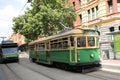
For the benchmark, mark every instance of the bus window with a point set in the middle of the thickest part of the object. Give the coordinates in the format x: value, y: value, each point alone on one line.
x: 10, y: 50
x: 81, y: 42
x: 91, y: 41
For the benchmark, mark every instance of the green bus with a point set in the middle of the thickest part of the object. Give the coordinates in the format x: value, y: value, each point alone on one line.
x: 77, y: 48
x: 8, y: 51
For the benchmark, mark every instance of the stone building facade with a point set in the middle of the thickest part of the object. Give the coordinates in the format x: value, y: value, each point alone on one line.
x: 101, y: 13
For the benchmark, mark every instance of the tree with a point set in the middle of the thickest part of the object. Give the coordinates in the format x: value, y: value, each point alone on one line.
x: 43, y: 18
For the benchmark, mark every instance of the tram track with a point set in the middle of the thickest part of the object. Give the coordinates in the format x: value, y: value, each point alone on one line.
x: 44, y: 71
x: 101, y: 75
x: 37, y: 72
x: 26, y: 67
x: 15, y: 75
x: 95, y: 74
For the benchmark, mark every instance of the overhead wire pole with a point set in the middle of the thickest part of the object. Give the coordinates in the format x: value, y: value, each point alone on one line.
x: 3, y: 38
x: 60, y: 22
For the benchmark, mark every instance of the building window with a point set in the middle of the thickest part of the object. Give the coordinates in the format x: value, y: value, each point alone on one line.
x: 80, y: 2
x: 119, y: 27
x: 80, y: 18
x: 74, y: 5
x: 96, y: 11
x: 89, y: 16
x: 118, y: 5
x: 111, y: 29
x: 93, y: 13
x: 111, y: 38
x: 110, y: 5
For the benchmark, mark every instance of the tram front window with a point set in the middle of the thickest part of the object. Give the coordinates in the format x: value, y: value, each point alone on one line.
x: 81, y: 42
x: 91, y: 41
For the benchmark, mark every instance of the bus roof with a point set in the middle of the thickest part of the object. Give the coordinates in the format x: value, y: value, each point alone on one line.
x: 9, y: 45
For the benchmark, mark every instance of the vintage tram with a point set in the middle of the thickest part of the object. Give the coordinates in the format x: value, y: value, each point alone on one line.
x: 77, y: 48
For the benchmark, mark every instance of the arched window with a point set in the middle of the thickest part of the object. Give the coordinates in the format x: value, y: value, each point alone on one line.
x: 110, y: 6
x: 118, y: 5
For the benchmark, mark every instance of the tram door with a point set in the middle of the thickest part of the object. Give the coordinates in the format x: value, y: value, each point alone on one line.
x: 36, y: 52
x: 72, y: 49
x: 48, y: 52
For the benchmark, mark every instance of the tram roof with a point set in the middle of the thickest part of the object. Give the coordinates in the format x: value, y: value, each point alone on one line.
x: 71, y: 32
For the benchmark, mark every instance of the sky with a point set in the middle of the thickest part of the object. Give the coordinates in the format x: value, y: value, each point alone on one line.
x: 8, y: 10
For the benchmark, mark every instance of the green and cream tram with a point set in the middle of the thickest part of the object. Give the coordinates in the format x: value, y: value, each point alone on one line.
x: 75, y: 48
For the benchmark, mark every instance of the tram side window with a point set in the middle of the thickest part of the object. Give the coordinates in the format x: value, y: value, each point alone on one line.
x: 72, y: 40
x: 47, y: 47
x: 31, y: 48
x: 41, y: 46
x: 81, y: 42
x: 91, y: 41
x: 65, y: 43
x: 60, y: 45
x: 54, y: 44
x: 51, y: 45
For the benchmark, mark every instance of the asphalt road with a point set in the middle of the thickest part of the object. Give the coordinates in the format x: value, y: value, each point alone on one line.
x: 26, y: 70
x: 2, y: 74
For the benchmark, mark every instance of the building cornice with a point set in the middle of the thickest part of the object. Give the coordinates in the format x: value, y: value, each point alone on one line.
x: 101, y: 20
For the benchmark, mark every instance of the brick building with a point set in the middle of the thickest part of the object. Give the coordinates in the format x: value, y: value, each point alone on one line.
x: 101, y: 13
x: 18, y: 38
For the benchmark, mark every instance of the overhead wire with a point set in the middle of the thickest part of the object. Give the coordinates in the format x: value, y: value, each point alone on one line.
x: 22, y: 8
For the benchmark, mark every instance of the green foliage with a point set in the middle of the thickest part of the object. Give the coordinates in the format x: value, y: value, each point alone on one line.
x: 43, y: 18
x: 27, y: 40
x: 117, y: 43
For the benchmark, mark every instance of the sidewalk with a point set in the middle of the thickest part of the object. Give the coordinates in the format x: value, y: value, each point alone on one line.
x: 111, y: 65
x: 23, y: 55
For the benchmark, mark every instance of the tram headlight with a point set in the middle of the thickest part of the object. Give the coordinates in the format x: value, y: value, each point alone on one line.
x: 79, y: 59
x: 92, y: 55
